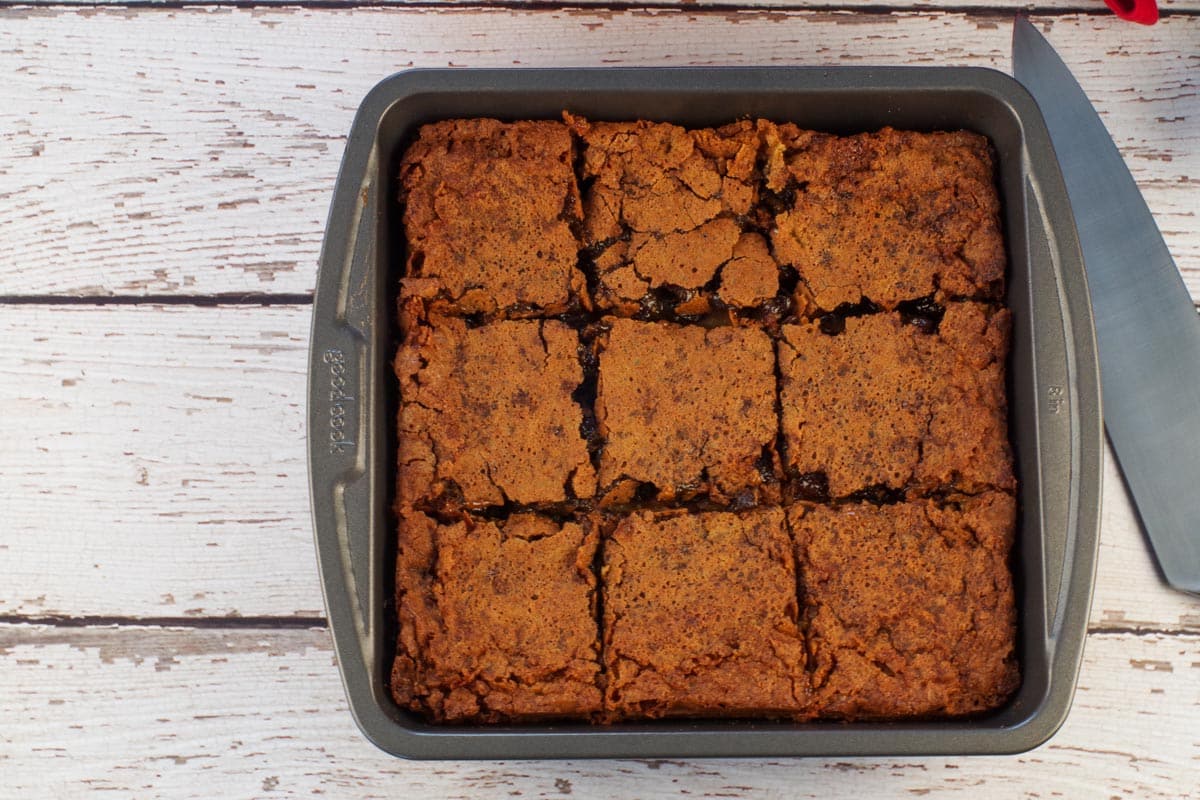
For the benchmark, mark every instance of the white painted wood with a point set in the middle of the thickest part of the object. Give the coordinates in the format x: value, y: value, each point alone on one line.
x: 219, y: 713
x: 1129, y: 593
x: 152, y: 457
x: 983, y: 6
x: 194, y: 150
x: 152, y: 461
x: 152, y: 464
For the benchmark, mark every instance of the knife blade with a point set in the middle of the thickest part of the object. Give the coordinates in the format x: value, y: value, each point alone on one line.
x: 1147, y: 329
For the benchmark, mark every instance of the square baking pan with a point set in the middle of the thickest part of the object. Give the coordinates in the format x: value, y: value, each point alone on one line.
x: 1053, y: 391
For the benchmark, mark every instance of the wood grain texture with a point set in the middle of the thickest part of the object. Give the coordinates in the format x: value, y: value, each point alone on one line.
x: 152, y: 461
x: 1166, y: 7
x: 158, y: 454
x: 187, y: 713
x: 194, y: 151
x: 1130, y: 593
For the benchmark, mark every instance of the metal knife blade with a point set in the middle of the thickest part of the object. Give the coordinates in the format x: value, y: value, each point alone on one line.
x: 1147, y: 329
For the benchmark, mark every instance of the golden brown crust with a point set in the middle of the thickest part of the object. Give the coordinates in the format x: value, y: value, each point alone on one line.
x: 488, y: 209
x: 885, y: 404
x: 687, y: 409
x: 751, y: 276
x: 667, y: 207
x: 888, y: 216
x: 700, y: 616
x: 497, y: 619
x: 540, y: 426
x: 487, y: 415
x: 909, y: 608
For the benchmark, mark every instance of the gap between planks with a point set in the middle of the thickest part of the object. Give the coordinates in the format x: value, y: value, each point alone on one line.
x: 206, y: 623
x: 863, y: 7
x: 205, y: 301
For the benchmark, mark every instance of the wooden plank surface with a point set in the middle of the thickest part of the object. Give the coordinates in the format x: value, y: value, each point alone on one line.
x: 158, y: 454
x: 193, y: 151
x: 160, y: 450
x: 219, y: 713
x: 152, y: 469
x: 1097, y: 7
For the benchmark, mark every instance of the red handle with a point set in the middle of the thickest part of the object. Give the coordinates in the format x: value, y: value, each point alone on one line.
x: 1144, y: 12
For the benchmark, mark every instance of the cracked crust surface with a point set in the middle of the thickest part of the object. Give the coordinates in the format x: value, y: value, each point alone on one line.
x: 866, y: 612
x: 883, y: 404
x: 700, y: 616
x: 687, y: 409
x: 488, y: 209
x: 909, y: 607
x: 487, y: 415
x: 889, y: 216
x: 667, y: 207
x: 497, y: 619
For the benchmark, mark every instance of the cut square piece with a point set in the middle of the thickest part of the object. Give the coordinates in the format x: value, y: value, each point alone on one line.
x: 909, y: 607
x: 888, y: 216
x: 488, y: 210
x: 886, y: 404
x: 497, y: 619
x: 487, y: 415
x: 666, y: 216
x: 688, y: 409
x: 700, y: 616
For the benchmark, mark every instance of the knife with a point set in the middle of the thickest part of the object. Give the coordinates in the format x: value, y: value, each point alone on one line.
x: 1147, y: 329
